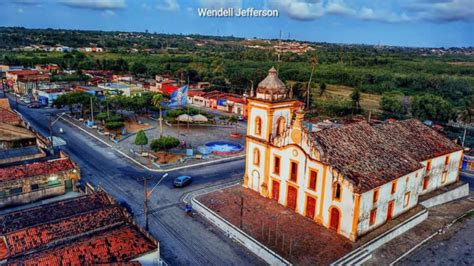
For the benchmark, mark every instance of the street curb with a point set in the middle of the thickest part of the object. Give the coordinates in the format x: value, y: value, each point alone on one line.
x: 146, y: 167
x: 429, y: 237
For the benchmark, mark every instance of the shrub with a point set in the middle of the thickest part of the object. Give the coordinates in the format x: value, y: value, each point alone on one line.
x: 164, y: 143
x: 114, y: 125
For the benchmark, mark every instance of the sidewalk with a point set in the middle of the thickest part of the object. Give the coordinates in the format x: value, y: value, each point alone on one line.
x: 439, y: 217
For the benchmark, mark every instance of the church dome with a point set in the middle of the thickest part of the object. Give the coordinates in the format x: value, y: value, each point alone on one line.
x: 271, y: 85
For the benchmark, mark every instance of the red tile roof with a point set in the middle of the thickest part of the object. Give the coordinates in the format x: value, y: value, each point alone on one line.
x: 87, y: 230
x: 9, y: 117
x: 35, y: 169
x: 115, y: 246
x: 363, y: 155
x: 236, y: 100
x: 417, y: 140
x: 18, y: 220
x: 23, y: 241
x: 195, y: 93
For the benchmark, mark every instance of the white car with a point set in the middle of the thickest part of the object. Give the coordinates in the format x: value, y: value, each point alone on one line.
x: 27, y: 101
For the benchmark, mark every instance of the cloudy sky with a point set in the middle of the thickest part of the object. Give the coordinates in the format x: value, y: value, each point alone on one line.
x: 432, y: 23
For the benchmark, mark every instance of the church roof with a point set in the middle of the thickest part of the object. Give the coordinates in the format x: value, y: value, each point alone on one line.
x: 271, y: 84
x: 360, y: 153
x: 417, y: 140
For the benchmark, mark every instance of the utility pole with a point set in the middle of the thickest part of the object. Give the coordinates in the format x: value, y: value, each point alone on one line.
x: 242, y: 207
x: 51, y: 133
x: 145, y: 204
x: 147, y: 195
x: 92, y: 111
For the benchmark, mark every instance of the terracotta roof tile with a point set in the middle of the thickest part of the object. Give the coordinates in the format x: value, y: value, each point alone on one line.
x: 9, y: 117
x: 35, y: 169
x: 31, y: 238
x: 364, y: 155
x: 115, y: 246
x: 417, y: 140
x: 14, y: 221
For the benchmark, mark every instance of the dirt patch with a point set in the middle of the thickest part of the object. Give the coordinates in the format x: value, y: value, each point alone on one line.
x: 133, y: 126
x: 296, y: 238
x: 368, y: 101
x: 163, y: 157
x: 462, y: 63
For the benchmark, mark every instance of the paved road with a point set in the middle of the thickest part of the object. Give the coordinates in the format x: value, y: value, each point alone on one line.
x: 183, y: 240
x: 456, y: 247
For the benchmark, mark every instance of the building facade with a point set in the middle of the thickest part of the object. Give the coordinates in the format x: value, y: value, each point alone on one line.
x: 30, y: 182
x: 351, y: 178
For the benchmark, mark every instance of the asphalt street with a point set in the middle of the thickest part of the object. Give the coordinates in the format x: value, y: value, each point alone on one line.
x: 183, y: 240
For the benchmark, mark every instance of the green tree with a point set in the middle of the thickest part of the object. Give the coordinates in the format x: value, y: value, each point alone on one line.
x: 139, y: 69
x: 355, y: 98
x: 322, y: 89
x: 114, y: 125
x: 392, y: 106
x: 164, y: 143
x: 156, y: 101
x: 141, y: 139
x: 432, y: 107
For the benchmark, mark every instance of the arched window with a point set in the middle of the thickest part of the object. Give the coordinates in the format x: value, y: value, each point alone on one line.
x: 281, y: 125
x: 258, y: 125
x: 336, y: 191
x: 256, y: 157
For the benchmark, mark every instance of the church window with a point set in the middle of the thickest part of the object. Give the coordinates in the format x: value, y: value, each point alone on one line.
x: 256, y: 157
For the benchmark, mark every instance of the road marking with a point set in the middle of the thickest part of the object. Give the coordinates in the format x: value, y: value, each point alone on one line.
x: 146, y: 167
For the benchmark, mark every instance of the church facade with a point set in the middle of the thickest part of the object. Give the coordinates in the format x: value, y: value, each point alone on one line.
x: 351, y: 178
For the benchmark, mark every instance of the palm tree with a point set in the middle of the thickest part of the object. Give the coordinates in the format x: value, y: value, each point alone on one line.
x: 314, y: 62
x: 290, y: 84
x: 465, y: 116
x: 156, y: 101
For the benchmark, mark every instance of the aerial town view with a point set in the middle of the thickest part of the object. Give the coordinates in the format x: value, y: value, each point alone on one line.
x: 236, y: 132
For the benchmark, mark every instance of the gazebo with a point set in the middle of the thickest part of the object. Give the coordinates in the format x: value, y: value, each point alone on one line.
x: 199, y: 119
x: 184, y: 118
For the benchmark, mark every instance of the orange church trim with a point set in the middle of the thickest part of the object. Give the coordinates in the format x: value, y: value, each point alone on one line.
x: 355, y: 219
x: 322, y: 194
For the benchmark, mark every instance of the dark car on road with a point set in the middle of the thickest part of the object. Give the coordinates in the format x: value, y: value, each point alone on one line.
x: 34, y: 105
x: 182, y: 181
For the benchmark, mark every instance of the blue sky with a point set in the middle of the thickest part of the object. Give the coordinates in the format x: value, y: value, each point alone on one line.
x: 428, y: 23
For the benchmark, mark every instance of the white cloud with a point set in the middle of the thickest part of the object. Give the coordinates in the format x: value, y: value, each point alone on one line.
x: 168, y: 5
x: 441, y: 10
x: 19, y: 10
x: 95, y: 4
x: 438, y: 11
x: 339, y: 7
x: 299, y: 9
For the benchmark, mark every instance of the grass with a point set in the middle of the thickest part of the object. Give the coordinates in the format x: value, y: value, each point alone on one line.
x: 370, y: 102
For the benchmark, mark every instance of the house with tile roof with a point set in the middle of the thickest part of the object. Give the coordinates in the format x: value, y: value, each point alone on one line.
x: 350, y: 178
x: 86, y: 230
x: 25, y: 183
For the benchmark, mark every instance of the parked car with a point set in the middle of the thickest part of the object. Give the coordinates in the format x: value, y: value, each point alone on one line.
x: 34, y: 105
x: 182, y: 181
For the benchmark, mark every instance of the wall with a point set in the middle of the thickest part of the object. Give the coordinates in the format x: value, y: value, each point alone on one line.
x: 437, y: 169
x: 244, y: 239
x: 25, y: 198
x: 408, y: 183
x: 454, y: 194
x: 28, y: 195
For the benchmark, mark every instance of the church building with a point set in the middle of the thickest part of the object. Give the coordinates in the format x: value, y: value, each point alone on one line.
x: 351, y: 178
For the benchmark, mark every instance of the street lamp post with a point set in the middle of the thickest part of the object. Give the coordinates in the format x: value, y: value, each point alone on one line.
x: 147, y: 195
x: 51, y: 123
